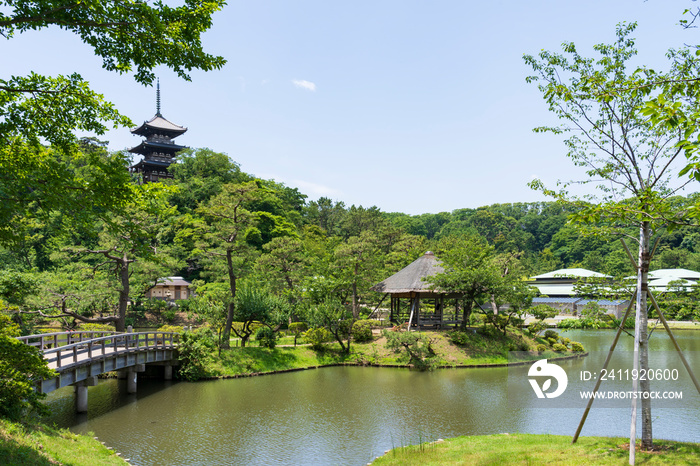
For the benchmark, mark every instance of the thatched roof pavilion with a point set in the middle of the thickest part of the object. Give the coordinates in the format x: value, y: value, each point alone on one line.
x: 412, y: 278
x: 413, y: 300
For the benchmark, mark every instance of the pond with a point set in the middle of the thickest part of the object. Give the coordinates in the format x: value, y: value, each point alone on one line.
x: 351, y: 415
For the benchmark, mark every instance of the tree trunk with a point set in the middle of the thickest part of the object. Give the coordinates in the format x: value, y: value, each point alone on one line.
x: 355, y: 304
x: 120, y: 324
x: 641, y: 348
x: 226, y: 343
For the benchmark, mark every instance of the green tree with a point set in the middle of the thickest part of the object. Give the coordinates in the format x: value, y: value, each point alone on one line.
x: 21, y: 367
x: 230, y: 225
x: 628, y: 158
x: 467, y: 260
x: 255, y: 306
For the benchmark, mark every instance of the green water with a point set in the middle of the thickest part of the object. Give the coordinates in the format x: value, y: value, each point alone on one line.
x: 349, y: 415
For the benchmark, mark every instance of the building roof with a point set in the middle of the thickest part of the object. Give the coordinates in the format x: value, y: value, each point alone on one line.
x: 146, y: 147
x: 674, y: 274
x: 412, y: 277
x: 173, y: 281
x: 564, y: 289
x: 158, y: 124
x: 567, y: 273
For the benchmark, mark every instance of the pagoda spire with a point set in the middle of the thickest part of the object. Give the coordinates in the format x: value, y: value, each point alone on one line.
x: 158, y: 98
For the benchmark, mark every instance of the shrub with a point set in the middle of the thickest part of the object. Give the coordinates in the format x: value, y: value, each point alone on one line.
x: 297, y: 328
x: 552, y: 341
x: 97, y: 327
x: 558, y: 347
x: 577, y: 347
x: 317, y: 337
x: 194, y: 352
x: 416, y: 348
x: 171, y: 328
x: 375, y: 323
x: 458, y: 338
x: 169, y: 314
x: 266, y: 337
x: 541, y: 348
x: 570, y: 324
x: 565, y: 341
x: 548, y: 334
x: 362, y: 331
x: 536, y: 327
x: 21, y: 366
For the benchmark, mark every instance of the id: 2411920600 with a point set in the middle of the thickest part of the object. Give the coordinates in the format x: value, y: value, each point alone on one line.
x: 632, y: 374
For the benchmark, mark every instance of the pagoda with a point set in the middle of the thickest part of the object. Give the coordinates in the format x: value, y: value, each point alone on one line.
x: 158, y: 149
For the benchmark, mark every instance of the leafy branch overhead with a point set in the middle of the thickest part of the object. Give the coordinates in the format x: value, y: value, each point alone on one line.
x: 631, y: 161
x: 44, y: 167
x: 127, y: 35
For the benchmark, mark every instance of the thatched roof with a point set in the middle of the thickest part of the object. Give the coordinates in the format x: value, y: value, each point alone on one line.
x: 411, y: 278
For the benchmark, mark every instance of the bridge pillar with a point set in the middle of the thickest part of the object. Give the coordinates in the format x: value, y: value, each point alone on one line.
x: 168, y: 372
x: 81, y: 394
x: 81, y: 397
x: 131, y: 378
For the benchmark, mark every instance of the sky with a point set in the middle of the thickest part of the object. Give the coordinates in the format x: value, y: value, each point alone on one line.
x: 411, y: 106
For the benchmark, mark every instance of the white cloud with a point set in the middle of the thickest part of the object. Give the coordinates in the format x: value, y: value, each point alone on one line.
x: 308, y: 85
x: 314, y: 190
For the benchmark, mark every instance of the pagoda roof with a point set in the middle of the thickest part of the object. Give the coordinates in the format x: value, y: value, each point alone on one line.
x: 151, y: 163
x: 412, y: 277
x: 146, y: 147
x: 158, y: 124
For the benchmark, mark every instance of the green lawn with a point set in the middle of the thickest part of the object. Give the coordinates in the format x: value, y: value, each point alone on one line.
x: 529, y: 449
x: 37, y: 444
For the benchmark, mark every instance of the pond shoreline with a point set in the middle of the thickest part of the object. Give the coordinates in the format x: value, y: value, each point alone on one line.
x: 391, y: 366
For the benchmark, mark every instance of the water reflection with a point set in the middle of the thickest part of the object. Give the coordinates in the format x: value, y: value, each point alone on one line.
x: 342, y: 415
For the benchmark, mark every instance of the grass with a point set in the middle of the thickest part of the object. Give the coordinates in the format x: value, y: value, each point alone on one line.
x: 675, y: 325
x: 530, y: 449
x: 477, y: 349
x: 37, y: 444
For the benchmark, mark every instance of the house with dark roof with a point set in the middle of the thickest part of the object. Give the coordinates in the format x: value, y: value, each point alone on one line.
x: 170, y: 289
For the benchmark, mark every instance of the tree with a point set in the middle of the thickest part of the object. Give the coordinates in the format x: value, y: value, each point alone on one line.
x: 21, y: 366
x: 356, y: 263
x: 630, y: 160
x: 122, y: 241
x: 283, y: 265
x: 333, y: 316
x: 254, y: 306
x: 467, y: 273
x: 230, y: 223
x: 37, y: 110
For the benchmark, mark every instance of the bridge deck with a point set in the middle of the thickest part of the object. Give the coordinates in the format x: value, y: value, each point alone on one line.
x: 76, y: 356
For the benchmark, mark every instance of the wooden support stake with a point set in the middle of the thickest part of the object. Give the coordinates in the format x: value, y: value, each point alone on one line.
x: 605, y: 366
x: 675, y: 343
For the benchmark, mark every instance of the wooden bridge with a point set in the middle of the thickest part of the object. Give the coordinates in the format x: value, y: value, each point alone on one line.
x: 79, y: 357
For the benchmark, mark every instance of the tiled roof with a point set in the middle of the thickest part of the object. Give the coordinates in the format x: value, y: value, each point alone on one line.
x: 158, y: 122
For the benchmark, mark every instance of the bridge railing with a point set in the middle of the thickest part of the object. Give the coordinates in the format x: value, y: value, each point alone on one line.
x: 45, y: 341
x: 61, y: 351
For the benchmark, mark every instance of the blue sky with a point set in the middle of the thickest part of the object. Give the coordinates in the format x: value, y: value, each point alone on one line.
x: 412, y: 106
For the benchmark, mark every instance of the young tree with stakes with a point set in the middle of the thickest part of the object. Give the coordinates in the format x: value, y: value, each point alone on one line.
x: 632, y: 163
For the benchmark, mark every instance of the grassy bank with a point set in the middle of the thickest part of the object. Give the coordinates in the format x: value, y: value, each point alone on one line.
x: 475, y: 349
x: 37, y: 444
x: 529, y: 449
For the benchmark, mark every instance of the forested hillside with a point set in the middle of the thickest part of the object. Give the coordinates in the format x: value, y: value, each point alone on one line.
x: 230, y: 233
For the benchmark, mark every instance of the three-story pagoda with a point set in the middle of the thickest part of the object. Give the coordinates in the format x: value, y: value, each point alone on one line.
x: 158, y: 149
